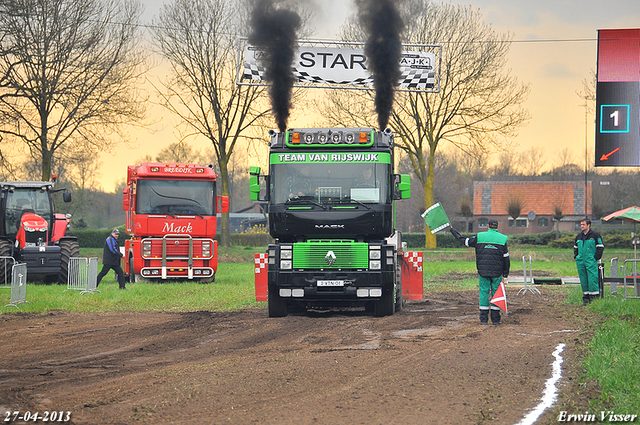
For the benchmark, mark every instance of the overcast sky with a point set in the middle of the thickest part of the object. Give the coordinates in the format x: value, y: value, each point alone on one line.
x: 555, y: 65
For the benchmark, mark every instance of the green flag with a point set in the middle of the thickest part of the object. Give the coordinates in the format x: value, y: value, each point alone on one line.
x: 436, y: 218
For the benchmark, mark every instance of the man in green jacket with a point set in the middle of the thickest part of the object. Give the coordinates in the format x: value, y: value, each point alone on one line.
x: 493, y: 263
x: 587, y: 250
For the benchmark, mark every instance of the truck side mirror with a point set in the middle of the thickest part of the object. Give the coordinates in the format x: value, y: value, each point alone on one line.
x: 66, y: 196
x: 223, y: 204
x: 403, y: 186
x: 125, y: 199
x: 254, y: 183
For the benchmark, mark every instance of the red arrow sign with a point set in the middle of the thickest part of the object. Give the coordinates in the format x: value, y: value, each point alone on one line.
x: 604, y: 157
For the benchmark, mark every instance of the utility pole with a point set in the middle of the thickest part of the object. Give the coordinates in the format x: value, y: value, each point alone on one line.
x: 586, y: 132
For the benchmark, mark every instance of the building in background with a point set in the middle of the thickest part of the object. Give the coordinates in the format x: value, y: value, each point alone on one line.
x: 539, y: 204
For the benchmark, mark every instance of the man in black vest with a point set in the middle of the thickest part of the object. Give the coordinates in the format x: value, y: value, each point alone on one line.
x: 493, y: 263
x: 111, y: 256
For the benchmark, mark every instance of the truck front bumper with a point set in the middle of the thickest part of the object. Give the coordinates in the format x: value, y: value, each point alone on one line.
x: 331, y: 286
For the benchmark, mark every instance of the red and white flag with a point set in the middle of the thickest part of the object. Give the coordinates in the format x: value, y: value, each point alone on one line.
x: 500, y: 298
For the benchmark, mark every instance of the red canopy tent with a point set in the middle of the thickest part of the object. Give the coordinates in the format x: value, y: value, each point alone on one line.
x: 631, y: 214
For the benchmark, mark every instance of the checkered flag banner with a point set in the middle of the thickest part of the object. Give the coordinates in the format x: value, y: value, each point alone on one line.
x: 317, y: 65
x: 435, y: 218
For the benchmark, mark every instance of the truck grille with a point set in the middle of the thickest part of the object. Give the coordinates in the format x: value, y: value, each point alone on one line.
x: 178, y: 248
x: 348, y: 254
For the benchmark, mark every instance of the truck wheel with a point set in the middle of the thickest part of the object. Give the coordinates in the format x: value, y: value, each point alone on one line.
x: 385, y: 305
x: 209, y: 279
x: 277, y: 306
x: 68, y: 249
x: 399, y: 299
x: 5, y: 264
x: 131, y: 277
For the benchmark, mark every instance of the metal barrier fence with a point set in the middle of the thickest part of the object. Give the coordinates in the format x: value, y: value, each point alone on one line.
x: 18, y: 285
x: 526, y: 288
x: 83, y: 274
x: 613, y: 282
x: 633, y: 277
x: 6, y: 263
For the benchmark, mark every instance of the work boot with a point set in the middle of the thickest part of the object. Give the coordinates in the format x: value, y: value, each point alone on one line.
x: 585, y: 299
x: 484, y: 317
x: 495, y: 317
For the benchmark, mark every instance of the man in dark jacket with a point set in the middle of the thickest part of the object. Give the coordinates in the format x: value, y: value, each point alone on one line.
x: 587, y: 250
x: 111, y: 256
x: 493, y: 263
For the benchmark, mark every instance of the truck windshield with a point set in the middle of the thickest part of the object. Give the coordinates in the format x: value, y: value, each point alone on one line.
x: 330, y: 183
x: 22, y: 200
x: 175, y: 197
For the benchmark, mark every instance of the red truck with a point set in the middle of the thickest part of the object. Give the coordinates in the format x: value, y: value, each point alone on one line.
x: 171, y: 220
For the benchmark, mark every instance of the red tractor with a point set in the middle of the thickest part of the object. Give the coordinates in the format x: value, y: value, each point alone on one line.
x: 32, y: 233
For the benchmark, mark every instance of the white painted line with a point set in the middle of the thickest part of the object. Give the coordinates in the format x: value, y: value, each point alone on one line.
x: 550, y: 390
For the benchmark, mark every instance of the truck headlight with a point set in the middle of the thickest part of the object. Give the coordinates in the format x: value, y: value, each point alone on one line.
x: 206, y: 249
x: 286, y: 254
x: 375, y: 254
x: 146, y: 248
x: 285, y: 264
x: 375, y: 265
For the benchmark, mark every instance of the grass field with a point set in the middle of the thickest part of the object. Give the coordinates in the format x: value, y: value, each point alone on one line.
x: 612, y: 358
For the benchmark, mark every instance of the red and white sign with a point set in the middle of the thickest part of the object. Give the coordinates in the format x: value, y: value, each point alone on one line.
x: 261, y: 281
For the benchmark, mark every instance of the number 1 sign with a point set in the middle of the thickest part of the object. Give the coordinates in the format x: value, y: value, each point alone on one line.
x: 618, y: 98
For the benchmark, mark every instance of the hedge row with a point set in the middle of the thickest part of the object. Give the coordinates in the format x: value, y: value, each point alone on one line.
x: 446, y: 240
x: 95, y: 239
x: 610, y: 240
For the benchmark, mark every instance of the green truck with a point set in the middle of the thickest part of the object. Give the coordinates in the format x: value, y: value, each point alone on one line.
x: 330, y: 194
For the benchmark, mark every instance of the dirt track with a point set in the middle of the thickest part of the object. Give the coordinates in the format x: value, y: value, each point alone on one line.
x: 433, y: 363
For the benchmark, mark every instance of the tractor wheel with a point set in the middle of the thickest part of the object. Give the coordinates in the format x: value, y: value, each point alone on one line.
x: 68, y: 249
x: 5, y: 263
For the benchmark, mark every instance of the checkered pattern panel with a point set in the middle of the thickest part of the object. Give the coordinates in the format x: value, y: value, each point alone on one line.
x: 253, y: 71
x: 414, y: 258
x: 260, y: 262
x: 416, y: 78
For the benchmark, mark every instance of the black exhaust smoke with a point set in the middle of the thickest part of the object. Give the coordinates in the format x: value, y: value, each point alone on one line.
x: 274, y: 31
x: 383, y: 24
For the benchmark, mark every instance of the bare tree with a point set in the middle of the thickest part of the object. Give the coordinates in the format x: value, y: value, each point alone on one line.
x: 532, y: 161
x: 508, y: 164
x: 466, y: 209
x: 198, y: 37
x: 473, y: 160
x: 564, y: 159
x: 513, y: 206
x: 80, y: 174
x: 479, y: 103
x: 68, y: 74
x: 182, y: 153
x: 558, y: 213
